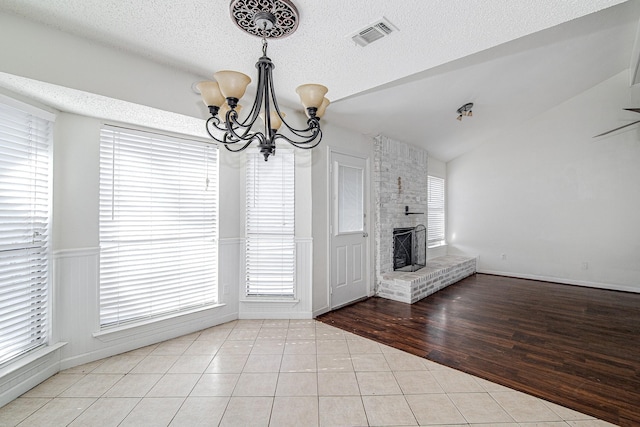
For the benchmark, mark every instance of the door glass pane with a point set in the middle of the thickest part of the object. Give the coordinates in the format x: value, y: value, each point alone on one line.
x: 350, y: 200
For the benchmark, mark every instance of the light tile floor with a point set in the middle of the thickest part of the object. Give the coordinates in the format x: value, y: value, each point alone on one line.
x: 277, y: 373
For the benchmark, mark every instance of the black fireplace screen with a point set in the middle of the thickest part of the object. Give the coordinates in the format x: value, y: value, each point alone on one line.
x: 409, y: 248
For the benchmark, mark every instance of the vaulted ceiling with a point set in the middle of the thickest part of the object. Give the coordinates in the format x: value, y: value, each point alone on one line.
x: 512, y: 59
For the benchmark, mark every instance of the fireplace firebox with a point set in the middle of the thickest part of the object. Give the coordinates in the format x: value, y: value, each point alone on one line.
x: 409, y: 248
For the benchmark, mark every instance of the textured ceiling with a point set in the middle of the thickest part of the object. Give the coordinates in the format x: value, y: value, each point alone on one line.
x: 445, y: 53
x: 508, y: 84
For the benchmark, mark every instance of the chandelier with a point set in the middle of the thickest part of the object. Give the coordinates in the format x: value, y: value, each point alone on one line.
x: 265, y: 19
x: 465, y: 110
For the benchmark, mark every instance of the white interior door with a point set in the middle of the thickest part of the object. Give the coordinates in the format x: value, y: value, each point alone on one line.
x: 349, y: 231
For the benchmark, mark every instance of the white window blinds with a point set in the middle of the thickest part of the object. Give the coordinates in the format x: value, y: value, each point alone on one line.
x: 270, y: 242
x: 350, y: 199
x: 158, y: 225
x: 25, y: 142
x: 436, y: 214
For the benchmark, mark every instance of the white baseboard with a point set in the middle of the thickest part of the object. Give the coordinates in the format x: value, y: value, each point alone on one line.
x: 189, y: 320
x: 321, y: 311
x: 564, y: 281
x: 144, y: 340
x: 26, y: 373
x: 276, y: 316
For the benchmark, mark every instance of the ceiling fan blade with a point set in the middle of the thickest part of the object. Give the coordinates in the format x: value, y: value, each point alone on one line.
x: 635, y: 110
x: 621, y: 127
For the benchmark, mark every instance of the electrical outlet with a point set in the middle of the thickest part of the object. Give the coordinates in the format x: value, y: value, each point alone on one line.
x: 503, y: 257
x: 225, y: 290
x: 585, y: 265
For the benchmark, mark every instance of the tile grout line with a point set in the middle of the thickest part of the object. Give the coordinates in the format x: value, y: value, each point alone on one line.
x: 302, y: 336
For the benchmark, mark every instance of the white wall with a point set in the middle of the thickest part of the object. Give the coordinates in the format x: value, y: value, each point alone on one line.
x: 76, y: 183
x: 436, y: 167
x: 559, y: 204
x: 42, y: 53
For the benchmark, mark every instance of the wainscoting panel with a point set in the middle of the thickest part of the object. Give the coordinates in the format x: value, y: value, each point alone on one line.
x: 76, y: 298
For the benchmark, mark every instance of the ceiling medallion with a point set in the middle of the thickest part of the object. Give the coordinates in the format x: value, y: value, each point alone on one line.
x: 271, y: 19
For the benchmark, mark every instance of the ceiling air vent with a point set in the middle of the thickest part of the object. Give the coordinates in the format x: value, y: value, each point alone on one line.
x: 373, y: 32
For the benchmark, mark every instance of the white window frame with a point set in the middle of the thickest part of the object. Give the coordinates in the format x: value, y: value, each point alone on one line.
x: 158, y: 226
x: 436, y: 212
x: 26, y: 141
x: 270, y: 268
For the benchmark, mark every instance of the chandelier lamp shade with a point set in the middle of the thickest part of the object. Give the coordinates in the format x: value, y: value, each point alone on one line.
x: 263, y: 122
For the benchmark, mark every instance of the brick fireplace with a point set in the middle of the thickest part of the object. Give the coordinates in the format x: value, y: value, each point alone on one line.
x: 400, y: 180
x: 400, y: 191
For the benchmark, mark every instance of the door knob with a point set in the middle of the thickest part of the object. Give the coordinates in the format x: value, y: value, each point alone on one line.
x: 365, y: 234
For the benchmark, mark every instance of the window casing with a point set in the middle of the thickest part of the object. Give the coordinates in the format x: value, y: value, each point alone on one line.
x: 270, y: 232
x: 25, y: 146
x: 436, y: 212
x: 158, y: 225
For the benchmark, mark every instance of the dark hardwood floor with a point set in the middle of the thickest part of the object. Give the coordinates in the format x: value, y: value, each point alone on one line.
x: 574, y: 346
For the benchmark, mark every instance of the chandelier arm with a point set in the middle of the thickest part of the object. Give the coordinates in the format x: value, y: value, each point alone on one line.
x: 232, y: 124
x: 308, y: 133
x: 302, y: 133
x: 298, y: 132
x: 267, y: 108
x: 231, y: 134
x: 253, y: 114
x: 231, y: 139
x: 254, y: 138
x: 235, y: 137
x: 224, y: 126
x: 262, y: 65
x: 214, y: 121
x: 219, y: 126
x: 314, y: 127
x: 302, y: 144
x: 235, y: 150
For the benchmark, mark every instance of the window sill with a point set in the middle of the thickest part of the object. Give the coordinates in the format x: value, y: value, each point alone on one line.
x: 438, y: 245
x: 154, y: 324
x: 274, y: 300
x: 34, y: 356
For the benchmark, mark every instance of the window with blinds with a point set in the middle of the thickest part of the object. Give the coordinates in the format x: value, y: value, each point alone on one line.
x: 436, y: 214
x: 158, y: 225
x: 270, y: 234
x: 25, y: 144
